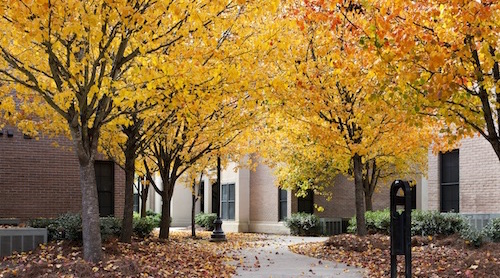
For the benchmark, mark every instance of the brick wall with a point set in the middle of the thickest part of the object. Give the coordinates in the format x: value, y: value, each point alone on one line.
x: 479, y: 178
x: 38, y: 179
x: 264, y: 197
x: 342, y: 203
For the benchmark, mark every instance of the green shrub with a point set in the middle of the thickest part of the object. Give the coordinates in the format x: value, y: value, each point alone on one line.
x: 423, y: 223
x: 472, y: 236
x: 156, y: 219
x: 427, y: 223
x: 303, y: 224
x: 153, y: 216
x: 492, y: 230
x: 143, y: 226
x: 376, y: 222
x: 48, y: 223
x: 206, y: 220
x: 69, y: 226
x: 110, y: 227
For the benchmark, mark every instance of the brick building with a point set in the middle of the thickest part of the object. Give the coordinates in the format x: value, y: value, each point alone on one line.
x: 39, y: 179
x: 251, y: 201
x: 465, y: 180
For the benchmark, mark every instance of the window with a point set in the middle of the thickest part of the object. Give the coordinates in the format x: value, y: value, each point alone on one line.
x: 202, y: 196
x: 306, y: 203
x: 104, y: 175
x: 449, y: 182
x: 227, y: 201
x: 282, y: 204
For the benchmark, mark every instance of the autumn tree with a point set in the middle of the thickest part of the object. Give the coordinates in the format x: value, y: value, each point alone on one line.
x: 71, y: 62
x: 446, y: 57
x: 124, y: 140
x: 338, y: 90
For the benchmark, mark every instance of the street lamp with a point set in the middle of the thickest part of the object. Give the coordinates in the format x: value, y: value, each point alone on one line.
x: 218, y: 233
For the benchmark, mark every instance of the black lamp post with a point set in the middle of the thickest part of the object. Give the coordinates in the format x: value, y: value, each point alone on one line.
x: 218, y: 233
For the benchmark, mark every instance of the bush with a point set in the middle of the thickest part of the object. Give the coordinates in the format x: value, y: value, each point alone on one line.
x: 48, y: 223
x: 69, y: 226
x: 206, y: 220
x: 492, y: 230
x: 427, y: 223
x: 143, y: 226
x: 376, y: 222
x: 110, y: 227
x: 472, y: 236
x: 423, y: 223
x: 303, y: 224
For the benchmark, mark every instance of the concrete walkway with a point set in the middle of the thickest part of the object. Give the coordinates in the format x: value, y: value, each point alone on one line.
x: 274, y: 259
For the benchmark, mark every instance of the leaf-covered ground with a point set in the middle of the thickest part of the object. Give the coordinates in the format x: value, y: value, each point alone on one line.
x: 432, y: 257
x: 180, y: 256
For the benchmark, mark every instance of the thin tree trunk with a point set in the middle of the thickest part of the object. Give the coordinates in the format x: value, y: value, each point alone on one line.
x: 368, y: 202
x: 128, y: 211
x: 144, y: 198
x: 193, y: 210
x: 91, y: 229
x: 359, y: 195
x: 165, y: 215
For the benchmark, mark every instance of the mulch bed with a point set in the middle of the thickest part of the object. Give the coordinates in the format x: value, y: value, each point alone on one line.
x: 180, y: 256
x: 431, y: 257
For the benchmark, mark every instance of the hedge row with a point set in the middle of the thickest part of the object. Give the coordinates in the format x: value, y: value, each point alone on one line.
x: 69, y: 226
x: 429, y: 223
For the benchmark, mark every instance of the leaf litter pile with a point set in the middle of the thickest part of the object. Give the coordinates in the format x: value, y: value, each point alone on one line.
x: 180, y: 256
x: 431, y: 257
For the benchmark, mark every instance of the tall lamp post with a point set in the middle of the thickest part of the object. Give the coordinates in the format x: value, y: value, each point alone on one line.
x: 218, y: 233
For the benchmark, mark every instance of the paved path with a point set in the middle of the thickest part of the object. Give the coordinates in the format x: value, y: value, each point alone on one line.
x: 274, y: 259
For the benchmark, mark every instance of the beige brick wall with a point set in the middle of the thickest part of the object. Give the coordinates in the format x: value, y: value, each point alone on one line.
x: 479, y: 180
x: 263, y: 195
x: 342, y: 202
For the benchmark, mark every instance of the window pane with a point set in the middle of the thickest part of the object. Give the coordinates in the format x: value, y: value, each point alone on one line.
x: 306, y: 204
x: 105, y: 187
x: 231, y: 210
x: 283, y: 210
x: 283, y: 195
x: 225, y: 193
x: 231, y: 192
x: 449, y: 167
x: 450, y: 198
x: 224, y: 213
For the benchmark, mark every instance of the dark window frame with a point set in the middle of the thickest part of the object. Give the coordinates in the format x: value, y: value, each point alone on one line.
x: 306, y: 203
x: 229, y: 202
x: 112, y: 191
x: 449, y: 182
x: 282, y: 215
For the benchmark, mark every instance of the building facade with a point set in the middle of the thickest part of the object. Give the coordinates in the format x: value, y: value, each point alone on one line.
x: 252, y: 202
x: 39, y: 179
x: 465, y: 180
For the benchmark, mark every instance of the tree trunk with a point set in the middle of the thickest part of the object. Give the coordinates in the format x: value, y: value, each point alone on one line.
x: 165, y: 215
x: 91, y: 229
x: 128, y: 211
x: 193, y: 210
x: 368, y: 202
x: 359, y: 195
x: 144, y: 198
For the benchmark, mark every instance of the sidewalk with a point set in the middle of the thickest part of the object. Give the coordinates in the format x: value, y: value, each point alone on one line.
x: 274, y: 259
